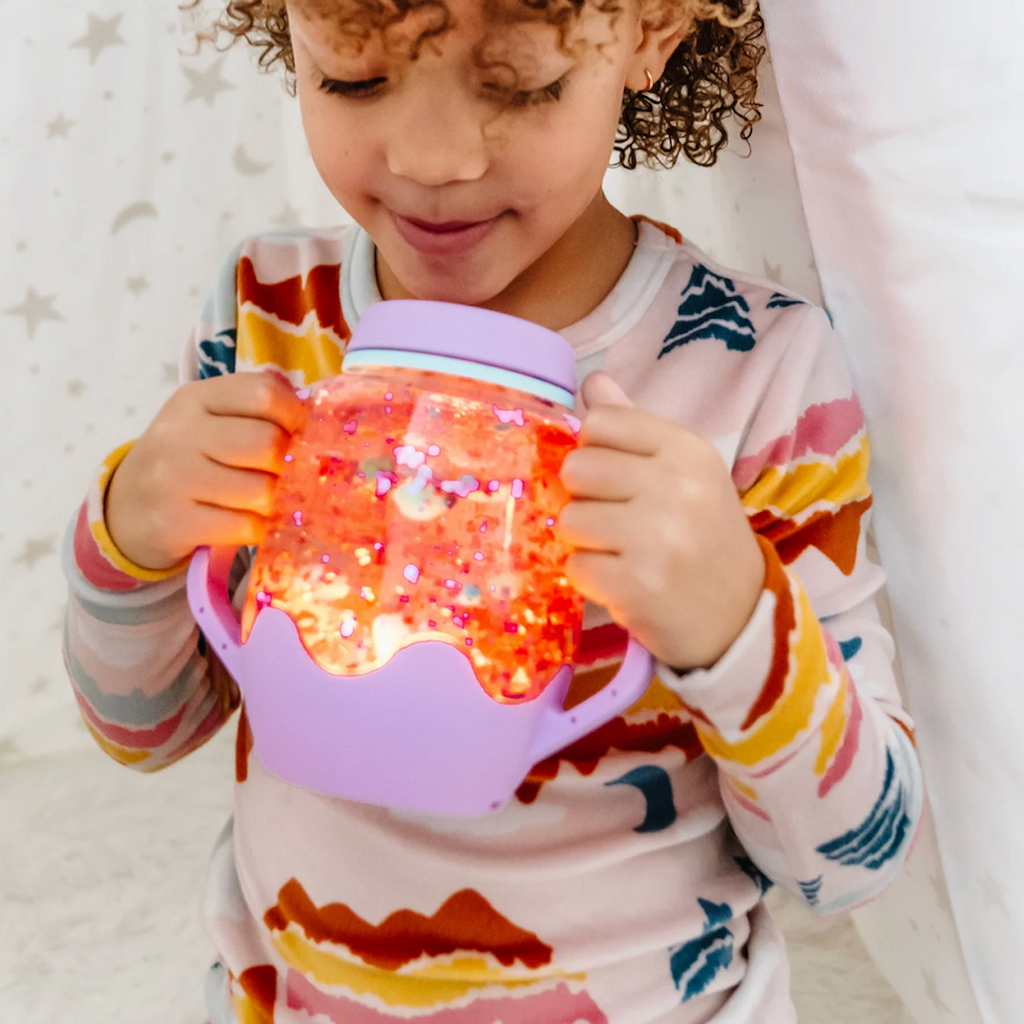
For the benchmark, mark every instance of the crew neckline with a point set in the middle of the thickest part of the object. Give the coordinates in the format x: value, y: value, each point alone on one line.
x: 613, y: 317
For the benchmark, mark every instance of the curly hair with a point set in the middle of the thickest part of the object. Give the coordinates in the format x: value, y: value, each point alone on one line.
x: 710, y: 78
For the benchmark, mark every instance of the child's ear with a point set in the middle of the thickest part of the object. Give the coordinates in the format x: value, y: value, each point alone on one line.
x: 663, y: 25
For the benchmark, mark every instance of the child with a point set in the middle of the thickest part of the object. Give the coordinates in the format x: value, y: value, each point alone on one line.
x: 719, y: 505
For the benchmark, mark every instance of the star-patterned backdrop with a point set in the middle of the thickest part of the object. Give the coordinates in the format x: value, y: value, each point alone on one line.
x: 132, y: 157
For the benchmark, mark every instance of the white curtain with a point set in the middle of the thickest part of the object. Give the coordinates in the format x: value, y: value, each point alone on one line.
x: 130, y: 162
x: 905, y: 125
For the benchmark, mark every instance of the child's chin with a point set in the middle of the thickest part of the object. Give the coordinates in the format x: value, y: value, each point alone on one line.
x: 464, y: 292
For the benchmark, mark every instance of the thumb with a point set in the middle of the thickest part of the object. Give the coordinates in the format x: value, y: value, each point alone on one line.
x: 599, y: 388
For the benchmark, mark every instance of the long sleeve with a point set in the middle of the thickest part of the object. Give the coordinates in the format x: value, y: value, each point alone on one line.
x: 802, y: 715
x: 148, y: 689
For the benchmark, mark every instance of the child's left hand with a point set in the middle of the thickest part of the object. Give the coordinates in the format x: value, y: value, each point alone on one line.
x: 661, y: 538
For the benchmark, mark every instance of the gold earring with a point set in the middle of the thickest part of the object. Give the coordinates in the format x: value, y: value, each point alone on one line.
x: 650, y: 80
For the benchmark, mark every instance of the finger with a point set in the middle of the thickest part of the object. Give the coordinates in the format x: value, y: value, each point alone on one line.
x: 594, y: 525
x: 246, y: 443
x: 593, y: 574
x: 603, y: 473
x: 626, y: 428
x: 600, y: 388
x: 264, y: 396
x: 225, y: 526
x: 245, y: 490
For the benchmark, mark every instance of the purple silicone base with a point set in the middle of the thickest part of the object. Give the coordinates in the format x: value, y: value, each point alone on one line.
x: 418, y: 733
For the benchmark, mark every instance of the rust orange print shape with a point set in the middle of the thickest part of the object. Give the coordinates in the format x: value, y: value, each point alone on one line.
x: 834, y: 534
x: 464, y: 922
x: 668, y: 729
x: 291, y: 299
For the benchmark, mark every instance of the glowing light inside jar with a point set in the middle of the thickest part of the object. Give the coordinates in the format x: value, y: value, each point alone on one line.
x: 388, y: 550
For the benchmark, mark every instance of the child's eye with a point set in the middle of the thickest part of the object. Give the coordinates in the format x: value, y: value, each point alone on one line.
x: 365, y: 87
x: 533, y: 97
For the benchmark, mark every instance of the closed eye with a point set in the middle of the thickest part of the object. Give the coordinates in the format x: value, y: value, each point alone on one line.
x: 533, y: 97
x: 364, y: 87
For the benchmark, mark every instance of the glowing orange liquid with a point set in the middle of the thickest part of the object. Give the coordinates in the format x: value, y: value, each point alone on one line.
x: 409, y: 510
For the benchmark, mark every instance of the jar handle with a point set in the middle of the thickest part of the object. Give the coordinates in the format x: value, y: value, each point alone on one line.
x: 208, y: 598
x: 559, y: 728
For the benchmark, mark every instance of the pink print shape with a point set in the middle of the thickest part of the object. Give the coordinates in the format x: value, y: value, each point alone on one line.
x: 510, y: 416
x: 847, y: 749
x: 824, y: 429
x: 559, y: 1005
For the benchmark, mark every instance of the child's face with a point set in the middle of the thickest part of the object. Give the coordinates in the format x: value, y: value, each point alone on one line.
x: 432, y: 141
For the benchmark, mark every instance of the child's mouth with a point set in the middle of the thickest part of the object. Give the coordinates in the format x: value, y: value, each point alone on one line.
x: 443, y: 239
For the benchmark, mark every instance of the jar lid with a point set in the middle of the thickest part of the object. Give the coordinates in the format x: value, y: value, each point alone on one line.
x: 469, y: 333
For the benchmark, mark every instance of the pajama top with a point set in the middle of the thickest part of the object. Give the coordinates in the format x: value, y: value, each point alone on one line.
x: 623, y: 884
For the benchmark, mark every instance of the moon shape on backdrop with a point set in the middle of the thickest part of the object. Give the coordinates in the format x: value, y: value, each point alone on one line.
x: 244, y: 163
x: 130, y: 213
x: 655, y: 785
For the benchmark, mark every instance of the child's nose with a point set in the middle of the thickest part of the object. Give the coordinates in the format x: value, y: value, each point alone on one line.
x: 440, y: 140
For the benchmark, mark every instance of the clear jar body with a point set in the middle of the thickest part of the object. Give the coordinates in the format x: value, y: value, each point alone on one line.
x: 417, y: 505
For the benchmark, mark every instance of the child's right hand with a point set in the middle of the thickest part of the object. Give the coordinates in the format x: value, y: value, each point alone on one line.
x: 204, y: 471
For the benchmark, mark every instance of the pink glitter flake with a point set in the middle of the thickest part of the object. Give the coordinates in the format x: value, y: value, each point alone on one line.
x: 551, y: 521
x: 263, y: 598
x: 384, y: 481
x: 434, y: 450
x: 388, y: 396
x: 463, y: 487
x: 510, y: 416
x: 409, y: 455
x: 478, y: 555
x: 452, y: 585
x: 325, y: 559
x: 404, y: 599
x: 302, y: 394
x: 288, y: 458
x: 297, y: 517
x: 351, y: 427
x: 377, y: 546
x: 468, y: 641
x: 493, y: 485
x: 511, y: 627
x: 411, y: 573
x: 517, y: 488
x: 348, y: 627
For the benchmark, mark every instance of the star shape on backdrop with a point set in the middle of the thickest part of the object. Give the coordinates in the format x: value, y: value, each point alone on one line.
x: 204, y: 85
x: 34, y: 309
x: 36, y: 548
x: 167, y: 157
x: 21, y: 246
x: 58, y: 127
x: 102, y: 32
x: 288, y: 217
x: 76, y: 387
x: 773, y: 271
x: 137, y: 285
